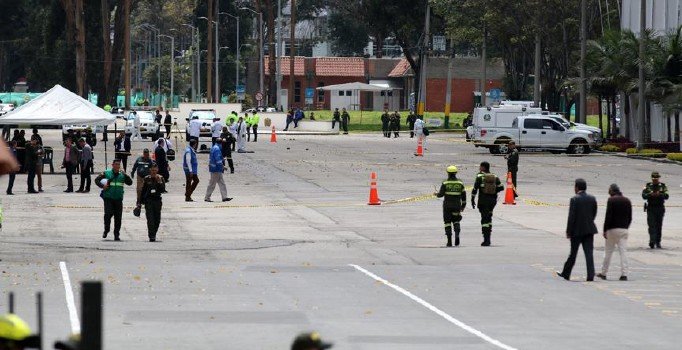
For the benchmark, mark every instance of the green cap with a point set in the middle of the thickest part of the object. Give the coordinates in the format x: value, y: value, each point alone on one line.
x: 655, y: 175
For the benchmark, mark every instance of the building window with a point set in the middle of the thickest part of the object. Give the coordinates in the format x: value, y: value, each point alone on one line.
x: 390, y: 94
x: 383, y: 93
x: 349, y: 93
x: 320, y: 93
x: 297, y: 91
x: 341, y: 93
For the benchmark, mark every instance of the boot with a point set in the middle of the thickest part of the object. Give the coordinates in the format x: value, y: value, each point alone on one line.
x: 448, y: 234
x: 457, y: 230
x: 486, y: 240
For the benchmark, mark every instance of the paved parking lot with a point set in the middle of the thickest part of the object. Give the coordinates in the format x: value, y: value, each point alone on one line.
x: 298, y: 249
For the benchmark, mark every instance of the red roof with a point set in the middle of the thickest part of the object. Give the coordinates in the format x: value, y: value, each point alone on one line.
x: 299, y: 65
x: 340, y: 67
x: 400, y: 69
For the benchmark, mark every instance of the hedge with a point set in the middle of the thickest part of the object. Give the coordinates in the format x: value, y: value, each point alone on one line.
x: 645, y: 151
x: 675, y: 156
x: 610, y: 148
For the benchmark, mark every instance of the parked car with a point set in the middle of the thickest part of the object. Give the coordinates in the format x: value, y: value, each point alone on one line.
x: 6, y: 107
x: 598, y: 137
x: 206, y: 117
x: 537, y: 131
x: 148, y: 126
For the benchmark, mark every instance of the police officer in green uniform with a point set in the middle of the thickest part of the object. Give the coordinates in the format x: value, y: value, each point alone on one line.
x: 154, y: 186
x: 655, y: 193
x: 453, y: 204
x: 489, y: 185
x: 255, y: 119
x: 513, y: 163
x: 112, y: 193
x: 385, y: 119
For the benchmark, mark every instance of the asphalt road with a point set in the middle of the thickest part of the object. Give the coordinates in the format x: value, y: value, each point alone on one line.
x: 298, y: 249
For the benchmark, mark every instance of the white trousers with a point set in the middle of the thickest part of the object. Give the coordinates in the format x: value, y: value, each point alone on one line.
x: 136, y: 134
x: 216, y: 178
x: 616, y: 237
x: 241, y: 143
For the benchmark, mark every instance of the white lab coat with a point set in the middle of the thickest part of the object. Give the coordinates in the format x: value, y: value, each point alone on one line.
x: 216, y: 129
x: 136, y: 128
x: 195, y: 128
x: 419, y: 131
x: 241, y: 136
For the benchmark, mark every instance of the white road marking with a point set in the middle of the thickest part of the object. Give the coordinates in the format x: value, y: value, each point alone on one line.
x: 436, y: 310
x: 70, y: 301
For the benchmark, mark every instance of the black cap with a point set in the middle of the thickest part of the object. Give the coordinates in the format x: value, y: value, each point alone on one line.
x: 310, y: 341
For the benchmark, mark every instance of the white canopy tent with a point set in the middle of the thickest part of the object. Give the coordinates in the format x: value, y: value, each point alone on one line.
x: 58, y: 106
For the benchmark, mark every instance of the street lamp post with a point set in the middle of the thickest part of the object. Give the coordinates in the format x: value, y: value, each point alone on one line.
x: 195, y: 78
x: 158, y: 56
x: 280, y: 50
x: 260, y: 48
x: 172, y: 66
x: 236, y: 65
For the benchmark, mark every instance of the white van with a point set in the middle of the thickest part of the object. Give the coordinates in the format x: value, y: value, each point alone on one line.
x: 489, y: 118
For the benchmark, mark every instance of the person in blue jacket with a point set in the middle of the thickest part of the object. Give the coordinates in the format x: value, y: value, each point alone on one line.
x: 216, y: 168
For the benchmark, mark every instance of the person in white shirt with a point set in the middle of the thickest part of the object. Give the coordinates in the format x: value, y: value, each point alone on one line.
x: 216, y: 129
x: 419, y: 130
x: 241, y: 135
x: 136, y: 127
x: 232, y: 129
x: 194, y: 128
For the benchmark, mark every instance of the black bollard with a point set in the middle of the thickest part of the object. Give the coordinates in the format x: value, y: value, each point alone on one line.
x: 39, y: 310
x: 91, y: 318
x: 11, y: 302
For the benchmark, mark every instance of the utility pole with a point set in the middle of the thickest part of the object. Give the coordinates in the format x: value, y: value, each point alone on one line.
x: 172, y: 65
x: 279, y: 50
x: 126, y: 30
x: 209, y: 53
x: 292, y: 56
x: 484, y: 66
x: 80, y: 49
x: 582, y: 115
x: 217, y: 50
x: 448, y: 88
x: 537, y: 96
x: 421, y: 104
x: 194, y: 91
x: 641, y: 118
x: 198, y: 53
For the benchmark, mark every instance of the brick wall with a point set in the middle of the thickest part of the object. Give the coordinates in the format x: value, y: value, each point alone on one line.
x: 462, y: 98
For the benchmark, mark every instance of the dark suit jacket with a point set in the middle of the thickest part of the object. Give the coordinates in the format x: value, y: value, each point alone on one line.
x: 581, y: 214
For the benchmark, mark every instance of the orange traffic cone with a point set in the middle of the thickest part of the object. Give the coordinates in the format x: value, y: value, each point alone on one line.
x: 420, y: 148
x: 509, y: 191
x: 373, y: 193
x: 273, y: 137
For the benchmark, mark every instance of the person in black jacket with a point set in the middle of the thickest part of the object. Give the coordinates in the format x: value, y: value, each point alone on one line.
x: 513, y: 163
x: 167, y: 123
x: 225, y: 148
x: 122, y: 148
x: 616, y: 224
x: 154, y: 186
x: 162, y: 160
x: 411, y: 119
x: 581, y: 229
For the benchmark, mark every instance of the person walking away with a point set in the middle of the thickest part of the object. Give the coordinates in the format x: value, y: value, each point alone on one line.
x: 336, y: 118
x: 111, y: 182
x: 216, y: 129
x: 226, y: 150
x: 616, y: 224
x: 69, y: 163
x: 141, y: 168
x: 513, y: 163
x: 194, y: 129
x: 167, y: 123
x: 255, y: 119
x: 247, y: 121
x: 411, y: 119
x: 385, y: 119
x: 395, y: 126
x: 136, y: 127
x: 40, y: 153
x: 191, y: 166
x: 162, y: 160
x: 12, y: 173
x: 216, y: 168
x: 454, y: 202
x: 241, y: 136
x: 30, y: 161
x: 489, y: 185
x: 298, y: 116
x: 85, y: 160
x: 655, y: 194
x: 154, y: 186
x: 581, y: 229
x: 345, y: 119
x: 158, y: 119
x: 420, y: 130
x: 122, y: 146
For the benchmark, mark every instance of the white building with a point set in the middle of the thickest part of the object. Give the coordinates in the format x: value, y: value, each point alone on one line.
x: 662, y: 16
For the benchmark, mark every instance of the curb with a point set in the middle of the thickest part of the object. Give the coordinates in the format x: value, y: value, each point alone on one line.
x: 651, y: 159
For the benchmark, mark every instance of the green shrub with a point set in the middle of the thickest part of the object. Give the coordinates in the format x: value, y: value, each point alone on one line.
x: 610, y: 148
x: 645, y: 151
x: 675, y: 156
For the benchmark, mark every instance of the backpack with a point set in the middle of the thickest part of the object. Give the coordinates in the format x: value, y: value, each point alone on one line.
x: 425, y: 131
x: 489, y: 184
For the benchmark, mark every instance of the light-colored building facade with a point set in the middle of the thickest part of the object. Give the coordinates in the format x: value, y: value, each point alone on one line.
x: 662, y: 16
